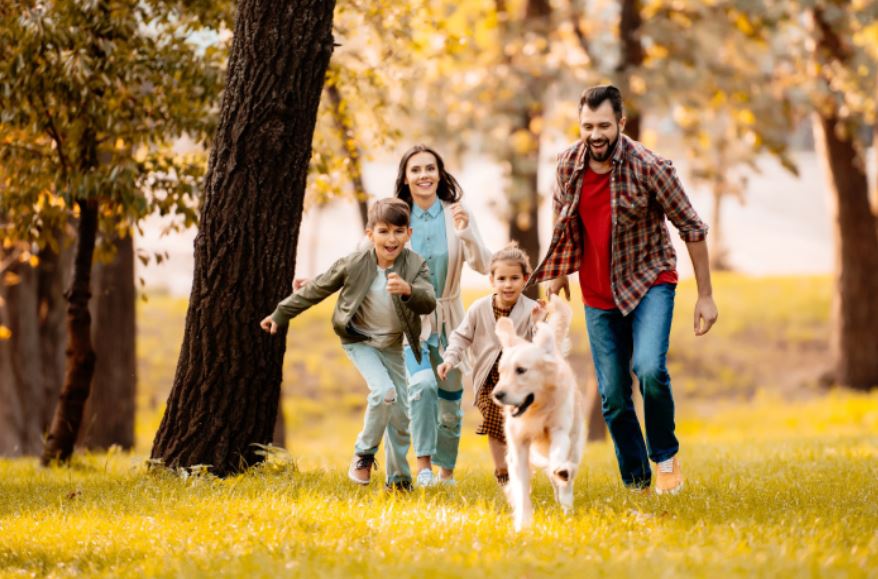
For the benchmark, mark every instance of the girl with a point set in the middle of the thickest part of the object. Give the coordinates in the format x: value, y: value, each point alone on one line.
x: 446, y: 236
x: 510, y: 269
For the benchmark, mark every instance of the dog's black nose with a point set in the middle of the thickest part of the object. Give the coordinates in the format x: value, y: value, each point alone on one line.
x: 499, y: 395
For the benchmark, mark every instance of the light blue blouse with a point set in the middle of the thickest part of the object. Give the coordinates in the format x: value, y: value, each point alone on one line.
x: 430, y: 241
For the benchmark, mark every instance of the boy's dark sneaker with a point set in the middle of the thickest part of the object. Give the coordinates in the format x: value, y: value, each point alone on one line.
x: 502, y: 477
x: 399, y: 486
x: 361, y: 467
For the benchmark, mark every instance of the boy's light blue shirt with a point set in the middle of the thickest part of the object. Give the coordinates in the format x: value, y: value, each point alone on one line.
x: 430, y: 241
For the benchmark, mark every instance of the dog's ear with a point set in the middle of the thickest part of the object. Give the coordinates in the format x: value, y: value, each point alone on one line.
x: 544, y: 339
x: 505, y: 331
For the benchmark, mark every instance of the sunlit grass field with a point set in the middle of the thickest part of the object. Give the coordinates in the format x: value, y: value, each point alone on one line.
x: 781, y: 475
x: 776, y: 490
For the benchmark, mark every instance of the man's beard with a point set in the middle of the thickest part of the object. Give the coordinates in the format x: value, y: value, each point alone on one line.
x: 608, y: 152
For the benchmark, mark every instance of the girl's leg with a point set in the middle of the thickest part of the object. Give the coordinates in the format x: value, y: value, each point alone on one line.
x: 498, y: 453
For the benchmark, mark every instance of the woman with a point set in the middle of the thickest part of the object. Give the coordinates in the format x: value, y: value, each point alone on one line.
x: 446, y: 236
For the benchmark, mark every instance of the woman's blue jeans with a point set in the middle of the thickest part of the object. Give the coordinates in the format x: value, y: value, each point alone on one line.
x: 637, y: 342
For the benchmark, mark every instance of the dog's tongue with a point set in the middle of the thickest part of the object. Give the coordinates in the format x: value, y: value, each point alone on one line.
x: 519, y: 410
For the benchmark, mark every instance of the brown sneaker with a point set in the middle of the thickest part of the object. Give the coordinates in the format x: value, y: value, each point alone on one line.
x: 502, y: 477
x: 360, y: 470
x: 668, y: 479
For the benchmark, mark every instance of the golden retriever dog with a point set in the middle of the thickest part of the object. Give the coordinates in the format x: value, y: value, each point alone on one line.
x: 544, y: 411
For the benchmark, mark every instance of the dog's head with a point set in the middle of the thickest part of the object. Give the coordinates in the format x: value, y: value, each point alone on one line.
x: 527, y: 370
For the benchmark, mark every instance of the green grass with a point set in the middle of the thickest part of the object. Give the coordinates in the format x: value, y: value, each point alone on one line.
x: 773, y: 489
x: 780, y: 474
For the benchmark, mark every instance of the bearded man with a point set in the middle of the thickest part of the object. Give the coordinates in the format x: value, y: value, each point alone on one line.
x: 610, y: 204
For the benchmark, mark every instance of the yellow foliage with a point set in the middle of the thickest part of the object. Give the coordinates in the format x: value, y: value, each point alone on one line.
x: 5, y: 333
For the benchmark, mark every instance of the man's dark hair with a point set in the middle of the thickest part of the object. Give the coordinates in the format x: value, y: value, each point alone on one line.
x: 391, y: 211
x: 594, y: 96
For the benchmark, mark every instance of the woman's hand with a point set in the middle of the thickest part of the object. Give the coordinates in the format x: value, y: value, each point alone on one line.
x: 460, y: 216
x: 299, y: 282
x: 443, y: 369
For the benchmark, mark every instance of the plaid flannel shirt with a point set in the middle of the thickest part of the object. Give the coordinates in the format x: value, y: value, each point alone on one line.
x: 644, y: 188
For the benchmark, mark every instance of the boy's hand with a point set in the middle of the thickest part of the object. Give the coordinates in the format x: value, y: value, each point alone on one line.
x: 706, y: 315
x: 398, y: 286
x: 460, y: 216
x: 268, y: 325
x: 443, y: 369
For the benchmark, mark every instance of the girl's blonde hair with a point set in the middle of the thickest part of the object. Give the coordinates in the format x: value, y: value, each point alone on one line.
x: 513, y: 254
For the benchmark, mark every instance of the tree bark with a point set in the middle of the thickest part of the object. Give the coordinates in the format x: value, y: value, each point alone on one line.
x: 855, y: 332
x: 855, y: 309
x: 631, y: 59
x: 32, y: 360
x: 109, y: 412
x: 67, y: 418
x: 345, y: 128
x: 227, y: 386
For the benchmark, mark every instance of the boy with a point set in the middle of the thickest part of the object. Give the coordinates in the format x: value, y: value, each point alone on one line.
x: 384, y: 291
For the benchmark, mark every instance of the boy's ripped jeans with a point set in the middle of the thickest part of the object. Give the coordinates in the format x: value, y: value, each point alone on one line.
x: 386, y: 408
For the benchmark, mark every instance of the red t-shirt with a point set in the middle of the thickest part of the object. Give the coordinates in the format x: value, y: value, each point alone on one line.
x: 597, y: 221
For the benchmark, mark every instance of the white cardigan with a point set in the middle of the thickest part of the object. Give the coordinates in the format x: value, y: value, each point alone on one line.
x: 467, y: 246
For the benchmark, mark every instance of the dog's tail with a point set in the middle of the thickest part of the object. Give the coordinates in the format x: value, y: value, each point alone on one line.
x: 561, y: 316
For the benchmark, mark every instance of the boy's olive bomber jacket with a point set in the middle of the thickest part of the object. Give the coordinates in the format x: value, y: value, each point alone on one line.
x: 353, y: 275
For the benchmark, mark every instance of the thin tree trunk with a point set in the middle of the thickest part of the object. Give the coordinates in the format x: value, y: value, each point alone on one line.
x: 227, y: 386
x: 719, y: 255
x: 855, y: 309
x: 630, y: 24
x: 855, y: 332
x: 109, y: 412
x: 344, y: 124
x: 32, y: 360
x: 80, y: 355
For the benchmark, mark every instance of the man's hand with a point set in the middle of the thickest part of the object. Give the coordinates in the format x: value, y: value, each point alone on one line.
x: 443, y: 369
x: 460, y: 216
x: 560, y: 284
x: 268, y: 325
x: 398, y: 286
x: 706, y: 315
x: 299, y: 282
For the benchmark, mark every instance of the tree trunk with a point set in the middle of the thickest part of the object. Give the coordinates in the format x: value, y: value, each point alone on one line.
x: 32, y: 360
x: 344, y: 124
x: 631, y: 59
x: 109, y: 412
x: 227, y: 386
x: 719, y: 255
x: 855, y: 309
x: 80, y: 355
x: 523, y: 191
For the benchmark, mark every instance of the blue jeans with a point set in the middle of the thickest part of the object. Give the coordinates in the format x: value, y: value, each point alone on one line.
x: 435, y: 406
x: 386, y: 407
x: 638, y: 342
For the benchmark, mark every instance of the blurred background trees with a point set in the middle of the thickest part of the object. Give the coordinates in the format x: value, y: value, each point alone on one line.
x: 95, y: 96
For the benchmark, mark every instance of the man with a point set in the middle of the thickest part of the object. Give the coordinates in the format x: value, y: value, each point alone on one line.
x: 612, y: 197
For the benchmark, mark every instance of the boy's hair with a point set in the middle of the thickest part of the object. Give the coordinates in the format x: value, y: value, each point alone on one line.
x: 514, y: 254
x: 391, y: 211
x: 595, y: 96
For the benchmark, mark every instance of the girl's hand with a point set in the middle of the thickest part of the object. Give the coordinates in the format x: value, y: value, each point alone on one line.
x: 398, y: 286
x: 299, y: 282
x: 268, y: 325
x: 540, y: 311
x: 443, y: 369
x: 460, y: 216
